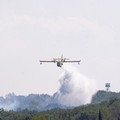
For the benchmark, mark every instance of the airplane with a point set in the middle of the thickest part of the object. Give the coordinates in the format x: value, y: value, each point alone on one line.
x: 60, y: 61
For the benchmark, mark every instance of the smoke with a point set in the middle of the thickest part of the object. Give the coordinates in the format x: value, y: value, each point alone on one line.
x: 75, y: 89
x: 9, y: 102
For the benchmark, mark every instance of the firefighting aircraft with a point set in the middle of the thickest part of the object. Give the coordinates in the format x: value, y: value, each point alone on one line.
x: 60, y: 61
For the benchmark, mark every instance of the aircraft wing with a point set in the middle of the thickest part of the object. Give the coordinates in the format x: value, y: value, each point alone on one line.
x: 78, y: 61
x: 41, y: 61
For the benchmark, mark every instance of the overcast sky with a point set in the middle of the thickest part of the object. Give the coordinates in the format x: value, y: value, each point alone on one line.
x: 33, y: 30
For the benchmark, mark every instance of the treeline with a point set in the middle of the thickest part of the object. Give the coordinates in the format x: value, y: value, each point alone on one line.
x: 107, y: 110
x: 42, y: 102
x: 101, y: 96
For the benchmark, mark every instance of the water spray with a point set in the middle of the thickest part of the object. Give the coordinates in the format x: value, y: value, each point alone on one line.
x: 75, y: 89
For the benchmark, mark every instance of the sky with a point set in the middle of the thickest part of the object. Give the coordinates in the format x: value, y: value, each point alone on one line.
x: 33, y: 30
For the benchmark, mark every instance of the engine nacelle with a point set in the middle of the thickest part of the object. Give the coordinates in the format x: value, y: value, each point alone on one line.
x: 59, y: 64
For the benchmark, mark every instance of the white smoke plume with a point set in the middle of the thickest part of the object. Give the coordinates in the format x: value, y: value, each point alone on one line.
x: 75, y: 88
x: 9, y: 102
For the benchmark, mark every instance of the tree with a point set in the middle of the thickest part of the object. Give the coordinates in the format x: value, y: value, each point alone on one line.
x: 99, y: 115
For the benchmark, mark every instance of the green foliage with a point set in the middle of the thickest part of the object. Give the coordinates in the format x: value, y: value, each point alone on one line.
x: 101, y: 96
x: 99, y: 115
x: 107, y: 110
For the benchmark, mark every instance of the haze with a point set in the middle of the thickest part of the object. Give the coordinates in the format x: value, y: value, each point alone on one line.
x: 32, y: 30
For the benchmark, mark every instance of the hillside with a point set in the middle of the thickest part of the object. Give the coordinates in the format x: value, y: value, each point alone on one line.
x: 105, y: 110
x: 108, y: 110
x: 101, y: 96
x: 46, y: 102
x: 31, y: 102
